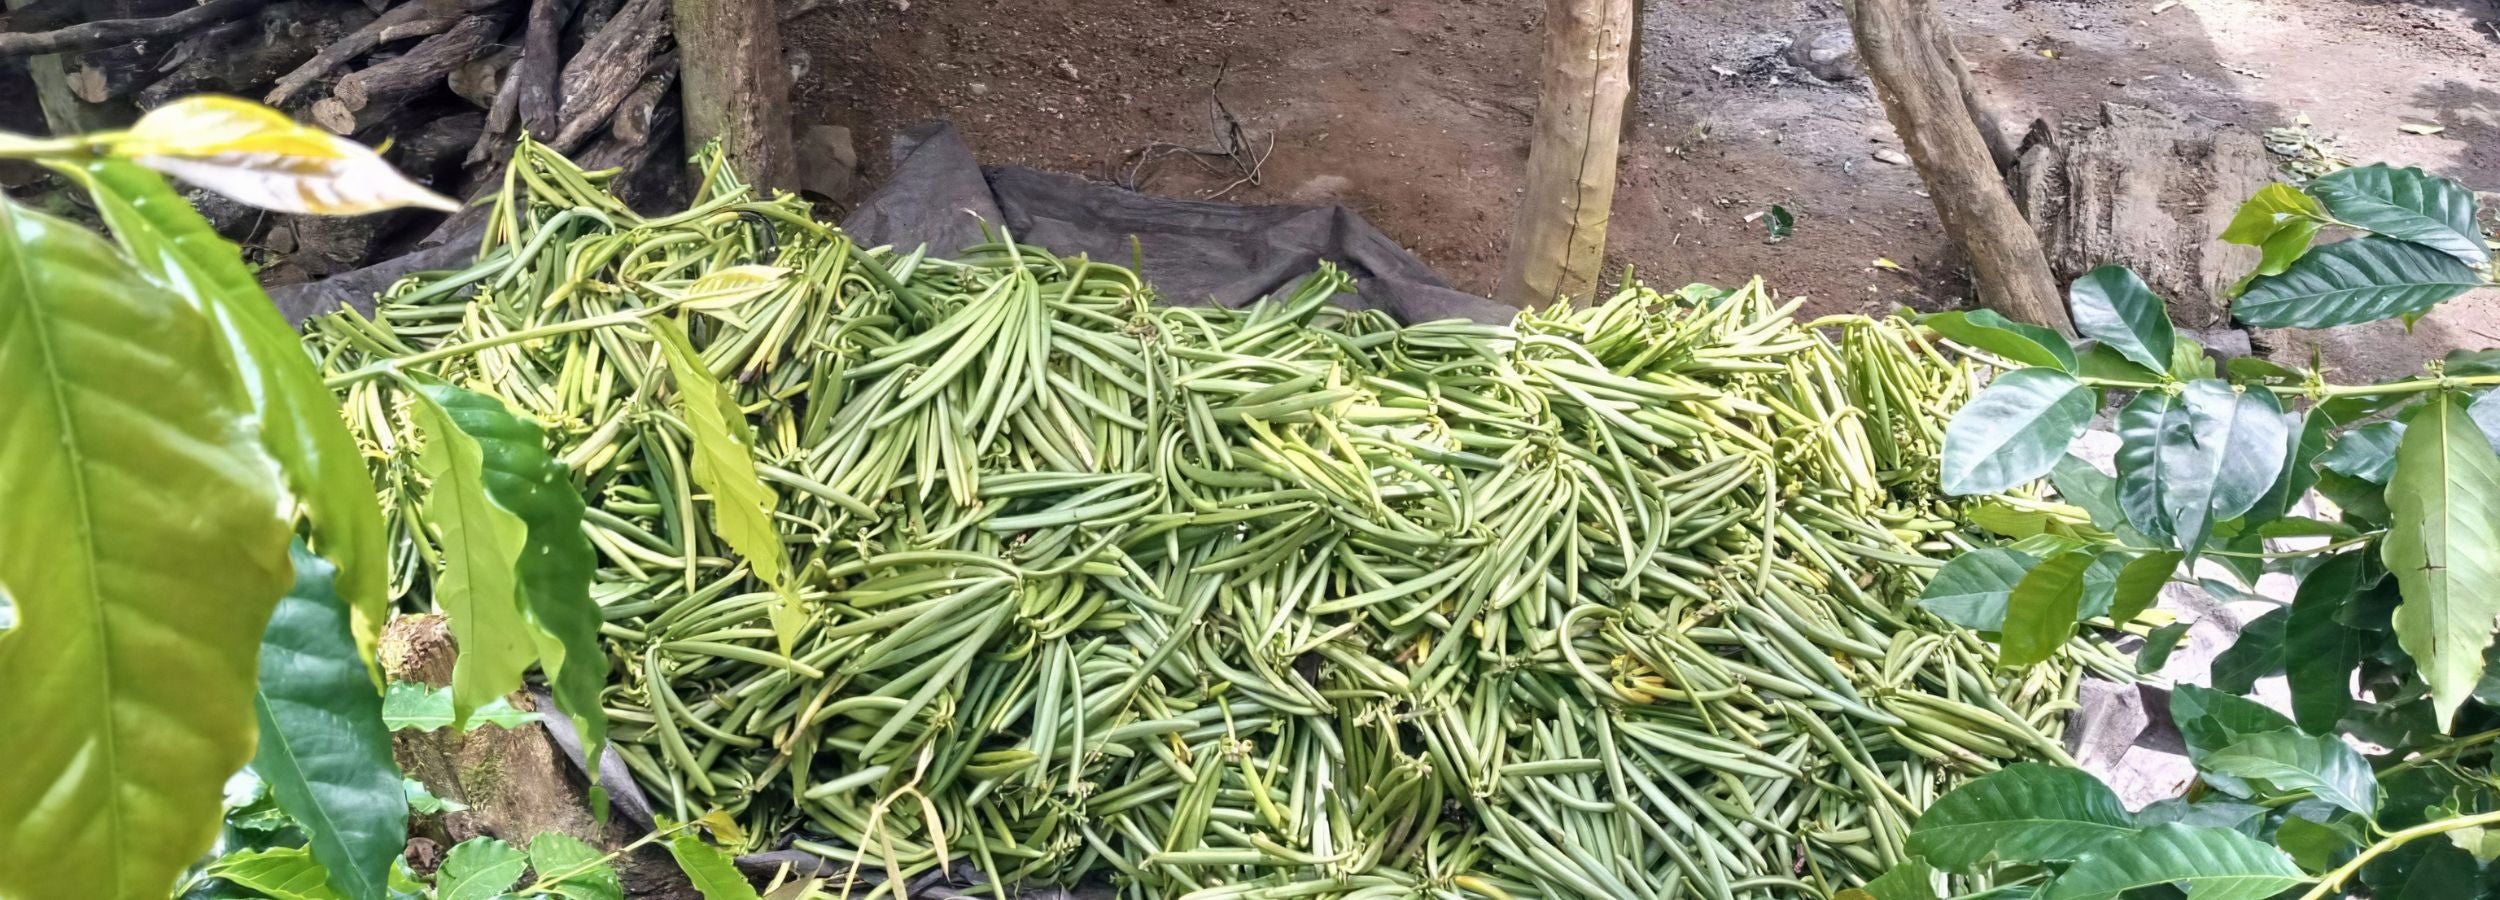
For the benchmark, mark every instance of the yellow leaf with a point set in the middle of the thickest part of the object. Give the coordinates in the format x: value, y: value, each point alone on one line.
x: 726, y: 288
x: 723, y: 828
x: 1882, y: 262
x: 255, y: 155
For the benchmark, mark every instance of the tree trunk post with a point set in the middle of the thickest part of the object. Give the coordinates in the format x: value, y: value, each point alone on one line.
x: 1559, y: 241
x: 735, y: 86
x: 1911, y: 62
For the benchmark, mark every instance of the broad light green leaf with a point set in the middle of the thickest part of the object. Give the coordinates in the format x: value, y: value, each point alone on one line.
x: 2219, y: 450
x: 2026, y: 812
x: 2210, y: 720
x: 524, y: 480
x: 2040, y: 612
x: 710, y: 870
x: 1986, y: 329
x: 2216, y: 864
x: 2107, y: 363
x: 2113, y: 306
x: 2367, y: 453
x: 2406, y: 203
x: 2445, y: 503
x: 2140, y: 583
x: 280, y: 873
x: 479, y: 868
x: 2141, y: 481
x: 2244, y: 818
x: 2289, y: 760
x: 724, y: 464
x: 1971, y: 589
x: 2319, y: 653
x: 2313, y: 846
x: 586, y: 876
x: 409, y: 706
x: 142, y: 551
x: 2485, y: 410
x: 1911, y: 880
x: 2014, y: 431
x: 2361, y: 280
x: 2257, y: 653
x: 422, y: 801
x: 323, y: 749
x: 2157, y: 646
x: 2088, y: 488
x: 2267, y: 212
x: 299, y: 417
x: 479, y: 587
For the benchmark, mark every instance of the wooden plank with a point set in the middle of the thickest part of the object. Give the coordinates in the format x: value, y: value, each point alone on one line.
x: 1558, y: 243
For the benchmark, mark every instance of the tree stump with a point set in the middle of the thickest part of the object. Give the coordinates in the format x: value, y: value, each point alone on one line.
x: 2148, y: 191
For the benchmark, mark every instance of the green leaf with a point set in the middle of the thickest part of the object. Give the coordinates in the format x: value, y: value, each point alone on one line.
x: 2407, y: 204
x: 282, y: 873
x: 2281, y: 249
x: 2361, y: 280
x: 2290, y: 760
x: 2219, y: 450
x: 323, y: 749
x: 2241, y: 817
x: 479, y: 586
x: 422, y: 801
x: 2113, y: 306
x: 2020, y: 342
x: 142, y: 552
x: 2256, y: 654
x: 2014, y: 431
x: 710, y: 870
x: 2140, y: 583
x: 2445, y: 503
x: 2268, y: 211
x: 1971, y: 589
x: 2089, y: 489
x: 724, y: 465
x: 2141, y: 481
x: 2025, y: 812
x: 2300, y: 471
x: 586, y: 876
x: 1911, y: 880
x: 479, y: 868
x: 2319, y: 653
x: 2100, y: 583
x: 2424, y: 870
x: 2314, y: 846
x: 300, y: 421
x: 2216, y: 863
x: 523, y: 480
x: 2485, y: 411
x: 2188, y: 360
x: 2258, y: 369
x: 2098, y: 361
x: 409, y: 706
x: 2367, y: 453
x: 2210, y: 720
x: 2359, y: 500
x: 2157, y: 646
x: 2040, y: 612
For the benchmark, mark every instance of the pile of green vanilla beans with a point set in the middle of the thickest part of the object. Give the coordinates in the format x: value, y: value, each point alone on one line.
x: 1289, y: 601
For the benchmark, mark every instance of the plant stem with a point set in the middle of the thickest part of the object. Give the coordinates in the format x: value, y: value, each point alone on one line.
x: 2334, y: 880
x: 2444, y: 751
x: 2407, y: 386
x: 448, y: 351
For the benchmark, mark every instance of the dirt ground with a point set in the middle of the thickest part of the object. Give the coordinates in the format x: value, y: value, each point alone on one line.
x: 1416, y: 114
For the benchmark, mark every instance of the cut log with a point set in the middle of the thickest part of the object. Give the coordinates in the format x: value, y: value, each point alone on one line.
x: 431, y: 153
x: 1902, y: 45
x: 537, y: 105
x: 478, y: 80
x: 1559, y: 240
x: 51, y: 15
x: 103, y: 33
x: 736, y: 86
x: 648, y: 177
x: 243, y: 57
x: 596, y: 109
x: 608, y: 67
x: 405, y: 20
x: 328, y: 245
x: 422, y: 68
x: 633, y: 120
x: 588, y: 17
x: 2148, y: 191
x: 101, y: 76
x: 331, y: 113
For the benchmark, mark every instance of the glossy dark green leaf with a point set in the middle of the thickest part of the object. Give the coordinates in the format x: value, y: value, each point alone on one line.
x: 300, y: 423
x: 2157, y: 646
x: 2014, y: 431
x: 2319, y: 652
x: 2367, y: 453
x: 480, y: 868
x: 2219, y: 451
x: 478, y: 587
x: 2257, y: 653
x: 2308, y: 440
x: 2113, y: 306
x: 2215, y: 863
x: 142, y: 549
x: 2406, y: 203
x: 2359, y: 500
x: 2026, y: 812
x: 323, y: 749
x: 1911, y: 880
x: 2139, y: 584
x: 2258, y: 369
x: 2019, y: 342
x: 2424, y: 870
x: 2210, y: 720
x: 2141, y: 481
x: 2314, y: 846
x: 2040, y: 611
x: 1972, y: 588
x: 551, y: 594
x: 2361, y: 280
x: 2291, y: 760
x: 585, y: 876
x: 2241, y: 817
x: 408, y: 706
x: 2106, y: 363
x: 278, y: 873
x: 2100, y: 583
x: 711, y: 871
x: 2445, y: 506
x: 2089, y: 489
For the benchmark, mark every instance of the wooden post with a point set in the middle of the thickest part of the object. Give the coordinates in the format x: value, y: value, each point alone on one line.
x: 1912, y: 65
x: 735, y: 87
x: 1559, y: 241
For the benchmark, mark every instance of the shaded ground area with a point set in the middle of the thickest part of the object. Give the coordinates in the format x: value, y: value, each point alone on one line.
x: 1416, y: 112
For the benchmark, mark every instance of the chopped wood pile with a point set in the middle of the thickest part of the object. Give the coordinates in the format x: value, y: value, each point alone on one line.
x: 448, y: 84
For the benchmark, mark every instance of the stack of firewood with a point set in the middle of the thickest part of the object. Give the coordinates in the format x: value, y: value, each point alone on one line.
x: 446, y: 85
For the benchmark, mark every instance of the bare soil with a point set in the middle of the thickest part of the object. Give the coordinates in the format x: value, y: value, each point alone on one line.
x: 1416, y: 114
